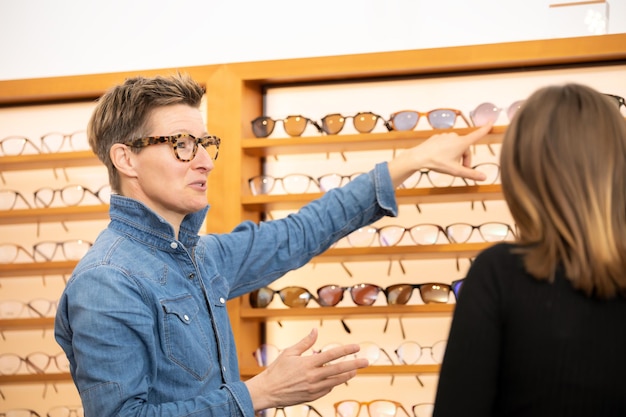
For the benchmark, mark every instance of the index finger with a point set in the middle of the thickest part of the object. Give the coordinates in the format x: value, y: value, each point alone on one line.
x: 477, y: 134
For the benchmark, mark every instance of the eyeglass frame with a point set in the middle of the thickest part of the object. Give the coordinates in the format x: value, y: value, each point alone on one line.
x: 261, y: 413
x: 367, y: 404
x: 54, y: 191
x: 376, y: 116
x: 419, y: 114
x: 25, y: 142
x: 274, y: 121
x: 173, y: 141
x: 16, y: 195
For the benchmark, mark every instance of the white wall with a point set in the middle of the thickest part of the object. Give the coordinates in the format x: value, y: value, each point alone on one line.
x: 42, y: 38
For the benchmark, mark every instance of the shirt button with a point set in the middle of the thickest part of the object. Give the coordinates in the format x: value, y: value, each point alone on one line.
x: 222, y: 300
x: 224, y: 369
x: 186, y: 317
x: 192, y: 276
x: 173, y: 245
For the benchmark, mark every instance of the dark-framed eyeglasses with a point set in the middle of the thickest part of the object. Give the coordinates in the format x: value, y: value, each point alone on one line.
x: 299, y: 410
x: 185, y: 145
x: 71, y: 195
x: 489, y: 232
x: 487, y: 112
x: 620, y: 101
x: 40, y: 307
x: 363, y: 122
x: 437, y: 119
x: 294, y: 125
x: 17, y: 145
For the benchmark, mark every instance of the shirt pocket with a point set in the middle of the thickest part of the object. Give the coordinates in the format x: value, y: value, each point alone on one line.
x: 185, y: 342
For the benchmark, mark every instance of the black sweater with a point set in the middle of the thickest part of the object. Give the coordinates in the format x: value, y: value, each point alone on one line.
x: 523, y: 347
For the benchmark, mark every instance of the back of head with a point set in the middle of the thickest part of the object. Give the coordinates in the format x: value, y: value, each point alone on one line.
x: 123, y: 112
x: 563, y: 168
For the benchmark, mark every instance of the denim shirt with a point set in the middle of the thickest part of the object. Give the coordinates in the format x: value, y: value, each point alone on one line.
x: 143, y: 319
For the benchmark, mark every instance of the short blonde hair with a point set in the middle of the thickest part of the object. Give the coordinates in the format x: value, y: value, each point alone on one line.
x: 122, y: 113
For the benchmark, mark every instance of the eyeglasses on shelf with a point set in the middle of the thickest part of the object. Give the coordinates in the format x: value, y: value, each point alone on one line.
x: 488, y: 232
x: 66, y: 411
x: 410, y: 352
x: 423, y: 409
x: 375, y: 408
x: 363, y: 122
x: 10, y: 199
x: 291, y: 184
x: 620, y: 101
x: 19, y: 412
x: 11, y: 253
x: 40, y: 307
x: 392, y: 235
x: 17, y: 145
x: 33, y: 363
x: 329, y: 181
x: 299, y: 410
x: 54, y: 141
x: 437, y: 119
x: 294, y: 125
x: 185, y: 145
x: 71, y: 195
x: 70, y: 250
x: 487, y: 112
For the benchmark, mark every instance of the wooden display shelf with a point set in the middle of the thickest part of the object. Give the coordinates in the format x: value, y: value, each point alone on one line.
x: 263, y: 203
x: 49, y: 160
x: 361, y: 312
x: 259, y: 147
x: 24, y: 269
x: 34, y: 323
x: 405, y: 252
x: 55, y: 214
x: 374, y: 370
x: 34, y: 378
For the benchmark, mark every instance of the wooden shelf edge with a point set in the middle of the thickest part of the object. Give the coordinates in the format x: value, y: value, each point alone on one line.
x: 258, y: 147
x: 24, y: 269
x: 55, y: 214
x: 356, y: 312
x: 490, y: 192
x: 49, y: 161
x: 27, y: 323
x: 35, y: 378
x: 374, y: 370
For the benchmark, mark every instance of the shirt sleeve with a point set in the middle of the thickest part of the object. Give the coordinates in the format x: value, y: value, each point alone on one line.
x: 254, y: 255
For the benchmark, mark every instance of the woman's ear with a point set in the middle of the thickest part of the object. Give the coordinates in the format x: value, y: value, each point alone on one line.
x: 123, y: 159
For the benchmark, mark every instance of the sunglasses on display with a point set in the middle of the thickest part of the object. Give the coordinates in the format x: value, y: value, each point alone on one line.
x: 437, y: 119
x: 361, y: 294
x: 486, y: 113
x: 295, y: 125
x: 363, y: 122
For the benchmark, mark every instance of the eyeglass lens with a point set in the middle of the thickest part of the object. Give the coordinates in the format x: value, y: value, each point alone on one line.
x: 486, y: 113
x: 438, y: 119
x: 423, y: 410
x: 364, y: 122
x: 54, y: 141
x: 410, y: 352
x: 430, y: 293
x: 295, y: 297
x: 9, y: 199
x: 263, y: 126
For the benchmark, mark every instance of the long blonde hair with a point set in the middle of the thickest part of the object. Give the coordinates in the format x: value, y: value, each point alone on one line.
x: 563, y: 165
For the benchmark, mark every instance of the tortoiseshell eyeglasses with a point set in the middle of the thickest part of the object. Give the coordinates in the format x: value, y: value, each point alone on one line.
x: 185, y: 145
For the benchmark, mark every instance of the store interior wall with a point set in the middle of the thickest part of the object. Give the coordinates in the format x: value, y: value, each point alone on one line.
x: 41, y: 38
